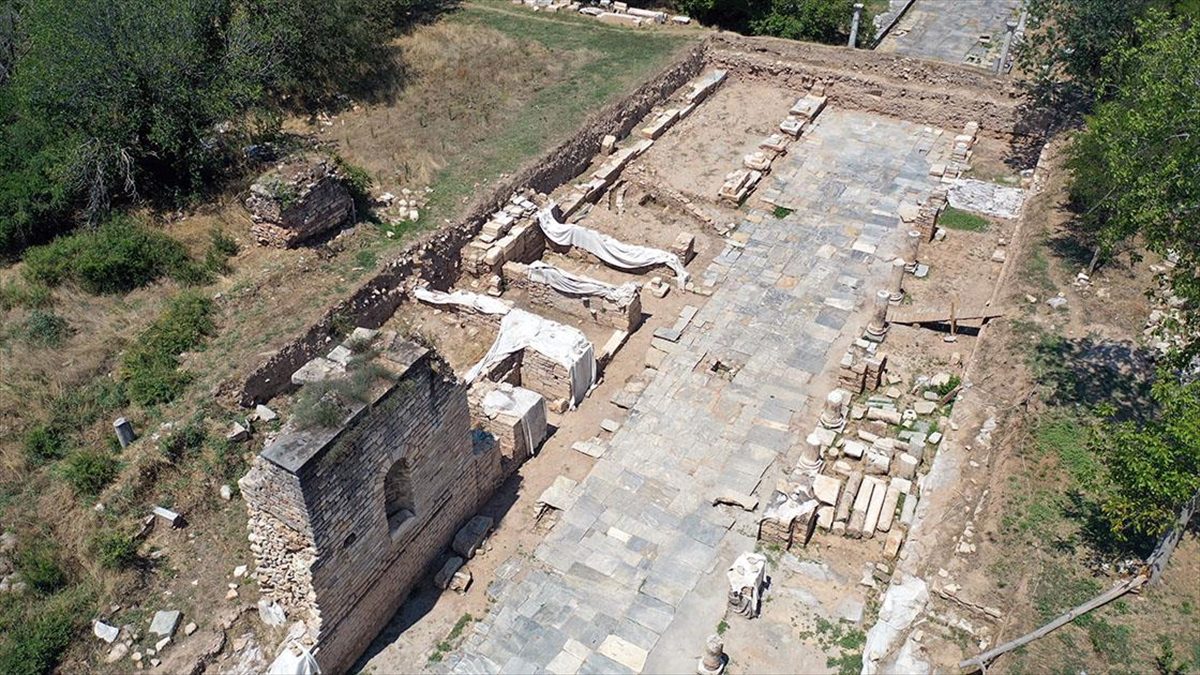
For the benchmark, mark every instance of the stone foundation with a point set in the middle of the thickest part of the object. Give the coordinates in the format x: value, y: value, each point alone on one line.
x: 626, y: 316
x: 299, y: 199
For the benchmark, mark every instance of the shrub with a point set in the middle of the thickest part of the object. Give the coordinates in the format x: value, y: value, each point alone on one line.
x: 358, y: 181
x: 89, y: 471
x: 44, y: 328
x: 185, y: 441
x: 16, y: 294
x: 44, y: 443
x: 116, y: 257
x: 116, y: 551
x: 151, y: 366
x: 35, y: 646
x: 39, y: 566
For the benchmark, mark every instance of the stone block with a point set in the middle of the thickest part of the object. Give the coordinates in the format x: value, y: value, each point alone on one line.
x: 471, y: 536
x: 164, y: 622
x: 444, y: 576
x: 826, y: 489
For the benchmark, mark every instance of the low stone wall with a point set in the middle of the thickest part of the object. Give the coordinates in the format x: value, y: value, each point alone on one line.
x: 626, y: 317
x: 944, y: 95
x: 436, y: 258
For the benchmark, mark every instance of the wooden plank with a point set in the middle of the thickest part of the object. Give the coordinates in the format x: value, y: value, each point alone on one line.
x: 944, y: 315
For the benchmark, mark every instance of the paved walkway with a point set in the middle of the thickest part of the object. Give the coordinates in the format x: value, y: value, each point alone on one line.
x: 614, y: 586
x: 950, y: 30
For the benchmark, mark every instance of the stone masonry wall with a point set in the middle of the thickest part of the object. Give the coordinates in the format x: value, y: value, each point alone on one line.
x: 436, y: 258
x: 547, y: 378
x: 938, y: 94
x: 605, y: 312
x: 363, y: 567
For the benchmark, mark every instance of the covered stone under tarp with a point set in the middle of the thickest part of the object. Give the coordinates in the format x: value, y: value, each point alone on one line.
x: 300, y: 198
x: 609, y: 250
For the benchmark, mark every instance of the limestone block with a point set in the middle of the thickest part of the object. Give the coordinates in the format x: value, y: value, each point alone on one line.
x: 854, y: 449
x: 471, y: 536
x: 826, y: 489
x: 890, y: 500
x: 757, y: 161
x: 164, y: 622
x: 776, y: 143
x: 875, y: 508
x: 906, y: 466
x: 849, y: 495
x: 444, y: 576
x: 792, y: 126
x: 891, y: 546
x: 825, y: 517
x: 876, y: 463
x: 858, y: 514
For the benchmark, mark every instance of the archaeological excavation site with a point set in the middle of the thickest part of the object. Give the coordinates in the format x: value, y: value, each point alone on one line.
x: 727, y: 303
x: 607, y: 342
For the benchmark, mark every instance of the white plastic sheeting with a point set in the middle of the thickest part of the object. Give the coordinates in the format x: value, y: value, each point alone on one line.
x: 527, y: 406
x: 749, y: 571
x: 616, y: 253
x: 565, y: 345
x: 294, y: 660
x: 574, y: 284
x: 479, y: 303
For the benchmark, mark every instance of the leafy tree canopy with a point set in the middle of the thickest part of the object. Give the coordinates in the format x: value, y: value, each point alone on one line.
x: 1137, y: 165
x: 816, y: 20
x: 103, y: 101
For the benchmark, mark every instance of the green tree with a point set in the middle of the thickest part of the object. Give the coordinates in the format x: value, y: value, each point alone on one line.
x: 1151, y: 470
x: 1068, y: 42
x: 1137, y: 166
x: 825, y: 21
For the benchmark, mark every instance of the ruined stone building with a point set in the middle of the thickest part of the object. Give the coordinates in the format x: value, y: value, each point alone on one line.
x: 344, y: 521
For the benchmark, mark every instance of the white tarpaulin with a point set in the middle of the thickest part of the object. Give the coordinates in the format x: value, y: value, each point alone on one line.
x: 565, y: 345
x: 616, y: 253
x: 748, y: 575
x: 903, y: 601
x: 298, y: 662
x: 527, y: 406
x: 479, y: 303
x: 574, y: 284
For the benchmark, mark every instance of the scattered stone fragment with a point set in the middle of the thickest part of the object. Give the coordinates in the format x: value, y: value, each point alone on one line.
x: 190, y: 628
x: 265, y: 414
x: 239, y: 571
x: 117, y: 653
x: 1057, y: 302
x: 105, y: 632
x: 226, y: 492
x: 164, y: 622
x: 161, y: 644
x: 732, y: 498
x: 237, y: 433
x: 924, y: 407
x: 610, y: 426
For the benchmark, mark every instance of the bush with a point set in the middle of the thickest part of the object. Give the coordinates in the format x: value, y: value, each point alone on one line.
x: 35, y: 646
x: 44, y: 443
x: 151, y: 366
x: 43, y: 329
x: 89, y: 471
x: 16, y: 294
x: 358, y: 181
x: 185, y: 441
x: 83, y: 405
x: 116, y: 551
x: 116, y: 257
x: 39, y: 566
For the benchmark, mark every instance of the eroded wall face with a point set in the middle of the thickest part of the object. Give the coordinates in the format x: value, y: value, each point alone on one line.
x: 369, y: 553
